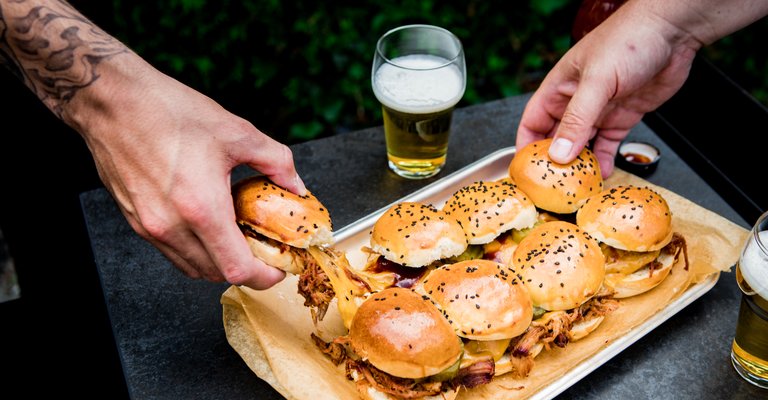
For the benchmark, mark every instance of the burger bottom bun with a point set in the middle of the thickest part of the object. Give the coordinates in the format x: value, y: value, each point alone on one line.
x: 368, y: 392
x: 641, y: 280
x: 519, y: 368
x: 584, y: 327
x: 272, y: 255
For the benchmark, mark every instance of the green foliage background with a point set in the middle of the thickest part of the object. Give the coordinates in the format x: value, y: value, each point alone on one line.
x: 300, y: 70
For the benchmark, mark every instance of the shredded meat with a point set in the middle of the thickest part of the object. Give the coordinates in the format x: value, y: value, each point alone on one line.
x: 476, y: 374
x: 521, y: 366
x: 400, y: 388
x: 677, y: 243
x: 314, y: 285
x: 557, y: 330
x: 334, y: 350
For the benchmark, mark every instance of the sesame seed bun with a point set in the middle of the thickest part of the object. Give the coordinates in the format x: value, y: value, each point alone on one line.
x: 483, y: 300
x: 487, y: 209
x: 414, y: 234
x: 627, y: 218
x: 272, y: 217
x: 559, y: 188
x: 561, y: 265
x: 402, y: 334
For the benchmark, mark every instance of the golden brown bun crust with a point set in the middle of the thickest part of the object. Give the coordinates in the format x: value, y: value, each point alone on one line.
x: 561, y: 265
x: 404, y: 335
x: 483, y: 300
x: 281, y: 215
x: 559, y: 188
x: 415, y: 234
x: 487, y: 209
x: 628, y: 218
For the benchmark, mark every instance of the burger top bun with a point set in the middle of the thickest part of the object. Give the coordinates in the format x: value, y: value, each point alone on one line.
x: 627, y: 218
x: 268, y: 209
x: 561, y: 265
x: 404, y: 335
x: 415, y: 234
x: 559, y: 188
x: 482, y: 299
x: 487, y: 209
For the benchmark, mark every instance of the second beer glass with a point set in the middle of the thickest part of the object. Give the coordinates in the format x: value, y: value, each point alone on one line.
x: 749, y: 353
x: 418, y: 75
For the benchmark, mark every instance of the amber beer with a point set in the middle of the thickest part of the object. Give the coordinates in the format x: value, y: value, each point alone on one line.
x: 417, y: 143
x: 418, y: 90
x: 749, y: 353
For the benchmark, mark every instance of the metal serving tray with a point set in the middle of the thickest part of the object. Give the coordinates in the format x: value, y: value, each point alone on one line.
x: 353, y: 237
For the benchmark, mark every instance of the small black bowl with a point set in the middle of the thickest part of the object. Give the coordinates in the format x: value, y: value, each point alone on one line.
x: 639, y: 158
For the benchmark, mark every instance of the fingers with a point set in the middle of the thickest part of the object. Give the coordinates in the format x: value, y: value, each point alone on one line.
x: 229, y: 250
x: 578, y: 122
x: 606, y: 146
x: 275, y: 160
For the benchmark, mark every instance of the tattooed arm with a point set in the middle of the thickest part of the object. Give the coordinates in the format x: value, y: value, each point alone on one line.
x: 163, y: 150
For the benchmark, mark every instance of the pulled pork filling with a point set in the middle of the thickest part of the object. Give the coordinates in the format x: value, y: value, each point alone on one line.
x: 362, y: 372
x: 557, y: 330
x: 314, y: 285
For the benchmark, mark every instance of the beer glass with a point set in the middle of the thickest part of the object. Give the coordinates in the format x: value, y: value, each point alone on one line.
x: 418, y: 76
x: 749, y: 352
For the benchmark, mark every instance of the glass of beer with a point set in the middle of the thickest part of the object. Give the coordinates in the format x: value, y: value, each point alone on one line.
x: 749, y: 352
x: 418, y: 76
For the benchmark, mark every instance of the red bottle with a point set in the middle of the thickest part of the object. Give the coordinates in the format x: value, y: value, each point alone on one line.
x: 591, y: 13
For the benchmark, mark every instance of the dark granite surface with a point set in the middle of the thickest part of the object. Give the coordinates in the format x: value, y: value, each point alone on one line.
x: 170, y: 336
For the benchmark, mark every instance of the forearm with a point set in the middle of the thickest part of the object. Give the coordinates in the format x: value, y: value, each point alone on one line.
x: 57, y: 51
x: 701, y: 21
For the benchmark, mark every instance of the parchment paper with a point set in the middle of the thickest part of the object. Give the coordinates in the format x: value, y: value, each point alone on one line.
x: 271, y: 329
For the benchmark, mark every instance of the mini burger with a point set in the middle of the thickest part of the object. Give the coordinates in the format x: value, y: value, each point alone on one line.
x: 487, y: 306
x: 634, y: 227
x: 490, y: 213
x: 399, y: 346
x: 292, y: 233
x: 406, y: 241
x: 563, y: 268
x: 557, y: 188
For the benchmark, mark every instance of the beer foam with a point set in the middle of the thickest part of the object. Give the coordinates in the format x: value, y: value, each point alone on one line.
x: 754, y: 265
x: 421, y: 87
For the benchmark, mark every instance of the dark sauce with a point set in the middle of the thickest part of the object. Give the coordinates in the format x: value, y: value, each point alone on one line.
x: 636, y: 158
x: 405, y: 277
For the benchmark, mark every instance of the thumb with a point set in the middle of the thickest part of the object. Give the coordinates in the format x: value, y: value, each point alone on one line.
x: 577, y: 125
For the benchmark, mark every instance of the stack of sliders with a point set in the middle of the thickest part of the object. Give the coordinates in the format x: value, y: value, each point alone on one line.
x: 634, y: 227
x: 492, y: 214
x: 451, y: 331
x: 488, y: 306
x: 294, y: 233
x: 407, y: 241
x: 399, y: 346
x: 563, y: 268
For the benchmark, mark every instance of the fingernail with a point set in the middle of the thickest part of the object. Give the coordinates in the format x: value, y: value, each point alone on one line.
x: 560, y: 149
x: 299, y: 185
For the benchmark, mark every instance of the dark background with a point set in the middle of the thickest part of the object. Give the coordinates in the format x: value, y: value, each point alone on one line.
x: 297, y: 70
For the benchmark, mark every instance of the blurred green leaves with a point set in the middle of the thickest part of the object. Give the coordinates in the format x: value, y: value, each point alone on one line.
x: 301, y: 70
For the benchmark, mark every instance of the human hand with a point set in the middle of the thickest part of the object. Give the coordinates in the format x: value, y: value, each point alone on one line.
x: 627, y: 66
x: 166, y: 153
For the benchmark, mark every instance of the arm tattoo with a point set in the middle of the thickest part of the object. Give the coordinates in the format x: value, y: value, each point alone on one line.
x: 53, y: 48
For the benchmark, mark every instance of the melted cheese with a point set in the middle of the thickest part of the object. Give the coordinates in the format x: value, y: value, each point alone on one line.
x: 349, y: 292
x: 477, y: 350
x: 626, y: 262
